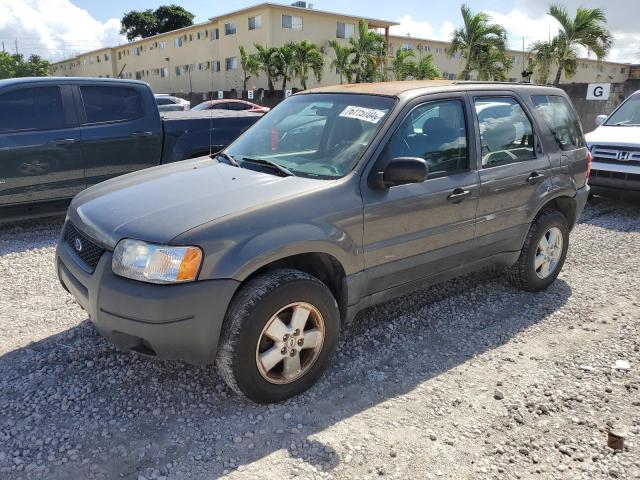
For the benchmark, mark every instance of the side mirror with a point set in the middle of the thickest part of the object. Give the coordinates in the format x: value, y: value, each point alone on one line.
x: 401, y: 171
x: 600, y: 119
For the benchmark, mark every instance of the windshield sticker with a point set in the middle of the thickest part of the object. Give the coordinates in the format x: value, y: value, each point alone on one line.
x: 370, y: 115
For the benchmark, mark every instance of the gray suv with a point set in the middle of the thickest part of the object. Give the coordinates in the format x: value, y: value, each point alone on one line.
x: 338, y: 199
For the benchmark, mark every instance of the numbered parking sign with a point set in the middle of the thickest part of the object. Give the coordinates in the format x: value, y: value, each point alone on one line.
x: 220, y: 94
x: 287, y: 93
x: 250, y: 94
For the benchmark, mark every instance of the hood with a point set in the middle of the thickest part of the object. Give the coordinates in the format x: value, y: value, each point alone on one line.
x: 160, y: 203
x: 618, y: 136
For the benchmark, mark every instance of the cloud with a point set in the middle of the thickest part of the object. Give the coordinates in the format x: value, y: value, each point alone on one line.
x: 54, y: 28
x: 421, y: 29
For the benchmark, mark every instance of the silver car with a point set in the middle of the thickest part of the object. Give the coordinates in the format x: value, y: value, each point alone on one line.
x: 168, y: 103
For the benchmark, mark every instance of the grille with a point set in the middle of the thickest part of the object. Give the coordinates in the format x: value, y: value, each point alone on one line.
x: 634, y: 177
x: 616, y: 155
x: 89, y: 252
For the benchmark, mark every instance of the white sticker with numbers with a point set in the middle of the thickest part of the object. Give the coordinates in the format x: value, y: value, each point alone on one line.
x: 370, y: 115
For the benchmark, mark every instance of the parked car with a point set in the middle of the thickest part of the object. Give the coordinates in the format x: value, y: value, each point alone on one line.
x: 61, y: 135
x: 255, y: 262
x: 168, y: 103
x: 230, y: 104
x: 615, y: 146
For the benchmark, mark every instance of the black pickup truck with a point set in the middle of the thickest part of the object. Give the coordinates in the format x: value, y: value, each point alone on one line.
x: 60, y: 135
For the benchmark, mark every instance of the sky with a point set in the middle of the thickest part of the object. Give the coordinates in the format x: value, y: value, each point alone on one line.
x: 58, y: 29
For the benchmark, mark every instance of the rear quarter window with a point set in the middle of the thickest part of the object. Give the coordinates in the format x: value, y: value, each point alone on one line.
x: 561, y: 120
x: 111, y: 104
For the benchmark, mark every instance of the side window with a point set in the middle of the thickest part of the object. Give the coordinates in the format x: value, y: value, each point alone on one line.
x: 111, y: 104
x: 561, y: 120
x: 238, y: 106
x: 37, y: 108
x: 220, y: 106
x: 164, y: 101
x: 506, y: 134
x: 435, y: 131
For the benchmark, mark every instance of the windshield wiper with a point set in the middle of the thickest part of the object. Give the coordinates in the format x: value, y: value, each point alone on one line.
x: 230, y: 160
x: 268, y: 163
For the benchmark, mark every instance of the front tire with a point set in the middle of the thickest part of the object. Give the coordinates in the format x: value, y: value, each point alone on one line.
x: 279, y: 335
x: 543, y: 253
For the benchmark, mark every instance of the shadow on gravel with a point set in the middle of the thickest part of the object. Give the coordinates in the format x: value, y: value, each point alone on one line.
x: 17, y: 237
x: 613, y: 213
x: 91, y: 411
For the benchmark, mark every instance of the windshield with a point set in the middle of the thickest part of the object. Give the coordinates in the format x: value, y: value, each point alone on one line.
x: 202, y: 106
x: 315, y: 135
x: 628, y: 113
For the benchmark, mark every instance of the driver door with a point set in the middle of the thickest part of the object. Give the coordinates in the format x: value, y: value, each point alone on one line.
x: 415, y: 231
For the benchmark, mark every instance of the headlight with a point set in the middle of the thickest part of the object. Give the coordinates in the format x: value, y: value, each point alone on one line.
x: 153, y: 263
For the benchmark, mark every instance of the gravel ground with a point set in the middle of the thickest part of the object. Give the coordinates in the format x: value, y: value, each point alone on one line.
x: 470, y: 379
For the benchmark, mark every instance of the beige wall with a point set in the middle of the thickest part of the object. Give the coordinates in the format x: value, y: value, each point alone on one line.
x: 318, y: 27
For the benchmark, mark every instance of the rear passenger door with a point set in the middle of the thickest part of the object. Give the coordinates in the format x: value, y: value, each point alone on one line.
x: 40, y: 156
x: 514, y: 171
x: 415, y: 231
x: 120, y: 128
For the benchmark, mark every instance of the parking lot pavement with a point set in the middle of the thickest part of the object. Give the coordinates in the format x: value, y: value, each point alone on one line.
x: 470, y: 379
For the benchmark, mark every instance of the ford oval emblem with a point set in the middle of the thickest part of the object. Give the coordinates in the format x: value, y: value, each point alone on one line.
x: 77, y: 244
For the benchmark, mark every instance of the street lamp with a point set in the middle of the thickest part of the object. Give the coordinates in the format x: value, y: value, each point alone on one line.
x: 167, y: 59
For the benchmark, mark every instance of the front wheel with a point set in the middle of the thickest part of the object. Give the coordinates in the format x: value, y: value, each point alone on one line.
x: 279, y: 335
x: 543, y: 253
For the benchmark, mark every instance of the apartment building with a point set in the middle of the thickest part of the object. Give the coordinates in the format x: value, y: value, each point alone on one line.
x: 205, y: 57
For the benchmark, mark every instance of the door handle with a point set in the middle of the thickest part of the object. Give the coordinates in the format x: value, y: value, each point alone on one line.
x: 534, y: 178
x: 140, y: 134
x: 458, y: 195
x: 63, y: 141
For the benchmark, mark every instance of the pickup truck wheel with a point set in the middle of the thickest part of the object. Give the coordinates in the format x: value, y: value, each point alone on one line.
x: 543, y: 253
x: 279, y: 335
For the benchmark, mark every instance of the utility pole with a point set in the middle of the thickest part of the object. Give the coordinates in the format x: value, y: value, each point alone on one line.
x: 3, y: 50
x: 17, y: 46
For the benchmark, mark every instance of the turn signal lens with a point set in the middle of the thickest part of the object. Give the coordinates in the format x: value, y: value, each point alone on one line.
x: 190, y: 265
x: 589, y: 160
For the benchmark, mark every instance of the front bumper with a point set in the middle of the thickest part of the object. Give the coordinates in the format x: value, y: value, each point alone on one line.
x: 178, y: 322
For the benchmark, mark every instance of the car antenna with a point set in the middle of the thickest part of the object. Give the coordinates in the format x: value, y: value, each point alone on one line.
x: 211, y: 117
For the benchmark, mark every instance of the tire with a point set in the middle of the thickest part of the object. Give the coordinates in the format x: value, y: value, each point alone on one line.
x: 247, y: 334
x: 524, y: 274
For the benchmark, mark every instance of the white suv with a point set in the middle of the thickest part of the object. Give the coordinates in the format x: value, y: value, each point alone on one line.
x: 615, y: 146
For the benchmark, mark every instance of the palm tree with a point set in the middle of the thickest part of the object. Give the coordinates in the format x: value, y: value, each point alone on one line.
x: 476, y: 39
x: 250, y: 66
x: 285, y: 63
x: 493, y: 64
x: 365, y: 49
x: 267, y: 58
x: 544, y: 54
x: 307, y: 57
x: 587, y: 29
x: 341, y: 63
x: 402, y: 64
x: 425, y: 69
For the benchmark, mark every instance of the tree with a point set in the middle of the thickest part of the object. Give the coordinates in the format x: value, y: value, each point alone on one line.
x: 285, y: 63
x: 268, y: 61
x: 307, y: 58
x: 402, y: 64
x: 587, y: 29
x: 250, y: 66
x: 15, y: 66
x: 145, y: 23
x: 493, y: 64
x: 478, y: 41
x: 544, y: 55
x: 366, y: 51
x: 425, y: 69
x: 341, y: 63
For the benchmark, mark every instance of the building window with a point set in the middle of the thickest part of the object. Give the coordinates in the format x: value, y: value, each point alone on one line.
x: 164, y: 72
x: 231, y: 63
x: 289, y: 21
x: 622, y: 70
x: 255, y: 22
x: 137, y: 51
x: 98, y: 58
x: 438, y: 50
x: 427, y: 48
x: 178, y: 71
x: 203, y: 66
x: 215, y: 34
x: 406, y: 47
x: 345, y: 30
x: 162, y: 45
x: 230, y: 28
x: 178, y: 42
x: 107, y: 57
x: 215, y: 66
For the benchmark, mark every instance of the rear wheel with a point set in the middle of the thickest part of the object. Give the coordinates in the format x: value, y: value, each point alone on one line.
x: 543, y: 253
x: 279, y: 335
